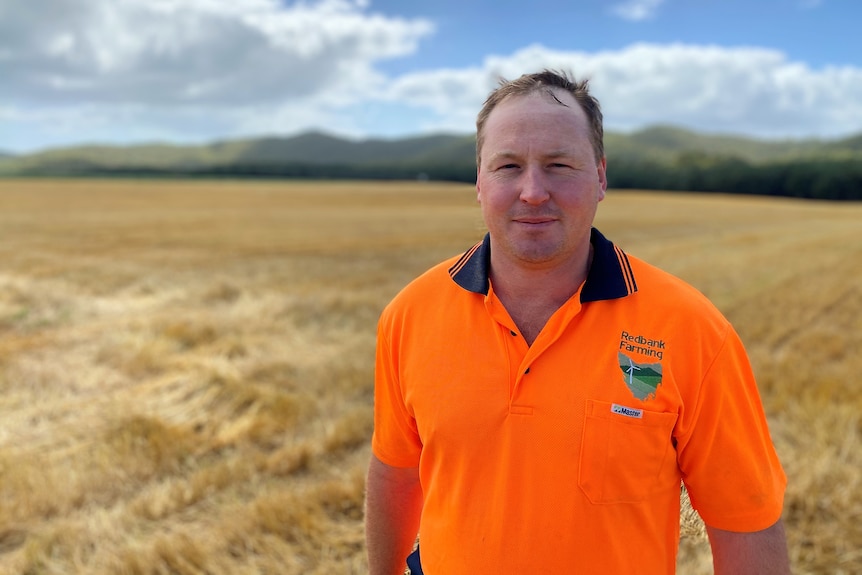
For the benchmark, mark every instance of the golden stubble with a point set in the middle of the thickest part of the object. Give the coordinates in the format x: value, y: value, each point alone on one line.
x: 186, y: 367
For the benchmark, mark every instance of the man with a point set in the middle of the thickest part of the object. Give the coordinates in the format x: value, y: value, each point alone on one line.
x: 539, y: 399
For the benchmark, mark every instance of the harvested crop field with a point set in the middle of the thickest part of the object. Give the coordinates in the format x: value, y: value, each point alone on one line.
x: 186, y: 367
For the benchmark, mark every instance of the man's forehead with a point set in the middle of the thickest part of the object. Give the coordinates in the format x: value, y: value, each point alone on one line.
x: 543, y: 127
x: 529, y: 110
x: 543, y: 101
x: 550, y: 94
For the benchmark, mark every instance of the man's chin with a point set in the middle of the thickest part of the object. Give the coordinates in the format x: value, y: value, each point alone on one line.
x: 537, y: 253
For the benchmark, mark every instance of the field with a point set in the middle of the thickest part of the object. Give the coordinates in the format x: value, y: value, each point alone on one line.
x: 186, y: 367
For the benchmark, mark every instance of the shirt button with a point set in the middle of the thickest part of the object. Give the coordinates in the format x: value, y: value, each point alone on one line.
x: 514, y: 334
x: 528, y: 371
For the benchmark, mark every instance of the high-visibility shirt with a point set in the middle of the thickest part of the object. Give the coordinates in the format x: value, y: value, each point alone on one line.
x: 567, y: 455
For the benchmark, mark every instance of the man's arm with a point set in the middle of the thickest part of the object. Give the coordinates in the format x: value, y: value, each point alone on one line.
x: 393, y: 504
x: 758, y: 553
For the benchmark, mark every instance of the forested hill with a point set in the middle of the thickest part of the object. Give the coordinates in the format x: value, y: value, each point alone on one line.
x: 662, y: 157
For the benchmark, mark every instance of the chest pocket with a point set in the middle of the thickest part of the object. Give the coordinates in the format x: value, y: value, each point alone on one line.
x: 626, y: 457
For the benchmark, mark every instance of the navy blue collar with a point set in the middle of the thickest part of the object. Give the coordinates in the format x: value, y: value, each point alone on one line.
x: 610, y: 275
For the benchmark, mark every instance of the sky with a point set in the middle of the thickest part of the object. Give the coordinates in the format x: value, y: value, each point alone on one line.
x: 197, y: 71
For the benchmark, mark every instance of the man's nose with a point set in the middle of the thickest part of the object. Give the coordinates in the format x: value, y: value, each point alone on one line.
x: 534, y: 189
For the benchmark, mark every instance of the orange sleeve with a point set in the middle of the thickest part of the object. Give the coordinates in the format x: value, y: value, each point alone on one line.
x: 727, y: 458
x: 395, y: 440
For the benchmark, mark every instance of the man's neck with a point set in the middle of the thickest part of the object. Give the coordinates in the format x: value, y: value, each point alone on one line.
x: 531, y: 294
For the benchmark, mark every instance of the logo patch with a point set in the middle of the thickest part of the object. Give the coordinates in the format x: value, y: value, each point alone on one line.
x: 642, y: 379
x: 627, y: 411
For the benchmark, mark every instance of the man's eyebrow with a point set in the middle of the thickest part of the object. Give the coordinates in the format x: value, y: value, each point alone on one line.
x: 503, y: 154
x: 560, y: 153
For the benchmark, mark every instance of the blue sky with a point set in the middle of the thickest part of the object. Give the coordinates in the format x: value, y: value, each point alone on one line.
x: 192, y: 71
x: 818, y: 33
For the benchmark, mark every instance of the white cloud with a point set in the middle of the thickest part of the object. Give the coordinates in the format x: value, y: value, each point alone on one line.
x: 637, y: 10
x: 172, y: 58
x: 205, y: 52
x: 755, y: 91
x: 198, y: 70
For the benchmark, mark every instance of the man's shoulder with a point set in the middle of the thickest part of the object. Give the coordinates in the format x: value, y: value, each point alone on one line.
x: 666, y: 288
x: 436, y: 282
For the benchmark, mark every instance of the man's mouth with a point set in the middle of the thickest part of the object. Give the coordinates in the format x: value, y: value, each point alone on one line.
x: 535, y: 220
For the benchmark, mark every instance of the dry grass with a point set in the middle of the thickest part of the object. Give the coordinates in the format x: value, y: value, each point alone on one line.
x: 186, y: 367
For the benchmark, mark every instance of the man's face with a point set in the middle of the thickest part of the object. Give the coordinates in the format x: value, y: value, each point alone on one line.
x: 539, y: 183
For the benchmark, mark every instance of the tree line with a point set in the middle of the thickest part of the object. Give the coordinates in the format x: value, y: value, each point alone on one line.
x: 822, y: 179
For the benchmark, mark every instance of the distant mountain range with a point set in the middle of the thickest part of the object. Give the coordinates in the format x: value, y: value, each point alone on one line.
x: 659, y: 143
x: 654, y: 157
x: 312, y: 148
x: 665, y: 143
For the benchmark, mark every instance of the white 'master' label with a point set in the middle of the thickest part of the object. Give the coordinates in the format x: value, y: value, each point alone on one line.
x: 627, y: 411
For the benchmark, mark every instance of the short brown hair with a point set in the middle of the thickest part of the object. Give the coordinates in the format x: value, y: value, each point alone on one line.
x: 546, y: 80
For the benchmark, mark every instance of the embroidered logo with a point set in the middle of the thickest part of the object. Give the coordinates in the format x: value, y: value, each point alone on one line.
x: 642, y: 379
x: 637, y: 343
x: 627, y: 411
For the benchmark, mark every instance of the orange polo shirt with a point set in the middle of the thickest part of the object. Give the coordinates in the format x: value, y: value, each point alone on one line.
x: 566, y: 456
